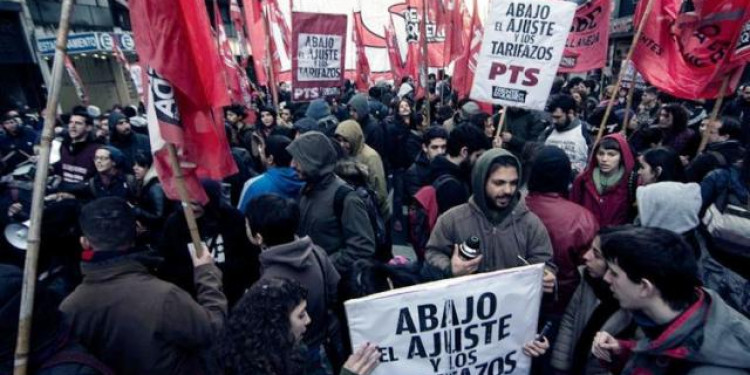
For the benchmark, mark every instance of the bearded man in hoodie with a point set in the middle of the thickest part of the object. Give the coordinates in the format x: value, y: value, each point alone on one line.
x: 509, y: 233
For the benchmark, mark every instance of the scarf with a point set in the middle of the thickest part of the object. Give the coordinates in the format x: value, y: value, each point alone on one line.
x: 603, y: 182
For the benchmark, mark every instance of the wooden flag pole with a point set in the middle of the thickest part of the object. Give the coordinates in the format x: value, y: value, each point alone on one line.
x: 715, y: 111
x: 628, y: 105
x: 185, y: 199
x: 628, y: 58
x: 37, y: 202
x: 501, y: 124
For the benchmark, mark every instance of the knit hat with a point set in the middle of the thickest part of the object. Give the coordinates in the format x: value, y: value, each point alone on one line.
x: 669, y: 205
x: 305, y: 125
x: 550, y: 171
x: 117, y: 156
x: 318, y: 109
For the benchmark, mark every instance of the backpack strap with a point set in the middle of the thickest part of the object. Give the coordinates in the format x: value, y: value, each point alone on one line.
x: 719, y: 157
x: 74, y: 357
x: 338, y: 199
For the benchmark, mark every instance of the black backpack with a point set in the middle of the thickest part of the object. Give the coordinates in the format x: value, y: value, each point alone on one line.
x: 383, y: 251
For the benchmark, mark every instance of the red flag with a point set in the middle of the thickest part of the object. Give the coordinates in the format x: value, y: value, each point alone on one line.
x: 686, y: 48
x: 586, y: 47
x: 362, y: 80
x: 185, y: 91
x: 235, y: 14
x: 229, y: 63
x: 456, y: 34
x: 277, y: 18
x: 394, y: 56
x: 741, y: 54
x: 466, y: 65
x: 257, y: 38
x: 81, y: 91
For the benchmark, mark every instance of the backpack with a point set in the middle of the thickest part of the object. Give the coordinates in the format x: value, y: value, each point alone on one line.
x: 728, y: 223
x: 423, y: 214
x: 383, y: 251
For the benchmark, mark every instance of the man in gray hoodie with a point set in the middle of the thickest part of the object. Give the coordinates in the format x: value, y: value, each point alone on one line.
x: 509, y: 233
x: 346, y: 238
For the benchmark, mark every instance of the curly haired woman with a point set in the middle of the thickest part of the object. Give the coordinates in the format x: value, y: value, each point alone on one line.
x: 264, y: 334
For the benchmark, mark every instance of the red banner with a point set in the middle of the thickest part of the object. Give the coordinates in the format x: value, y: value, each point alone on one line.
x: 394, y: 55
x: 185, y: 91
x: 81, y: 91
x: 319, y: 55
x: 257, y: 38
x: 466, y: 65
x: 688, y: 47
x: 586, y: 48
x: 362, y: 80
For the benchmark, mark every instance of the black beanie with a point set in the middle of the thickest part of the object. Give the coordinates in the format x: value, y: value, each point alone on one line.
x: 550, y: 171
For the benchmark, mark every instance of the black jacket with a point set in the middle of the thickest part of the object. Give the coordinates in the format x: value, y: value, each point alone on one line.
x: 404, y: 143
x: 454, y: 191
x: 130, y: 145
x: 418, y: 175
x: 719, y: 154
x: 222, y: 228
x: 525, y: 126
x: 151, y: 207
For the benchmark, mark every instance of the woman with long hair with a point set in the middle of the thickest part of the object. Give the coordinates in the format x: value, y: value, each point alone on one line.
x: 660, y: 164
x: 264, y: 334
x: 673, y: 121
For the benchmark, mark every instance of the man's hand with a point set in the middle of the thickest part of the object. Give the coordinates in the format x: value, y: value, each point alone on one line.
x: 548, y: 281
x: 497, y: 142
x: 536, y: 348
x: 461, y: 267
x: 15, y: 208
x: 363, y: 360
x: 604, y: 346
x: 507, y: 137
x: 205, y: 257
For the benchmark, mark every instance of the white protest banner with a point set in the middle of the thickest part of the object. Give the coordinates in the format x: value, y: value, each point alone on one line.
x: 473, y: 325
x: 523, y: 43
x: 318, y: 55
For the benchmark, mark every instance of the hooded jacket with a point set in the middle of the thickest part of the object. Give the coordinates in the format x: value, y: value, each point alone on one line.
x: 138, y: 324
x: 373, y: 130
x: 281, y: 181
x: 345, y: 240
x: 610, y: 207
x: 301, y: 260
x: 669, y: 205
x: 519, y: 233
x: 364, y: 154
x: 708, y: 338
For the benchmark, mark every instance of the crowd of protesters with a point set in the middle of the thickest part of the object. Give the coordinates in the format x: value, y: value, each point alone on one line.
x: 635, y: 281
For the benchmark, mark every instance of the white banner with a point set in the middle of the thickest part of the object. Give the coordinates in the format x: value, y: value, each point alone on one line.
x: 521, y: 51
x: 473, y: 325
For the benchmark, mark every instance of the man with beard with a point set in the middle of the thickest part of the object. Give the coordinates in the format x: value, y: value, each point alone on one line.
x: 127, y: 141
x: 510, y: 235
x: 568, y: 132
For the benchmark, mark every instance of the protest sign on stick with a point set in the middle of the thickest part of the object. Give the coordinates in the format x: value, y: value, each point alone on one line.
x: 318, y: 54
x: 521, y: 51
x: 469, y: 325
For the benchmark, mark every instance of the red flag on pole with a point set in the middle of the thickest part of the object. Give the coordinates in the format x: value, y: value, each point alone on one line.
x: 394, y: 56
x: 81, y: 91
x: 257, y: 38
x: 185, y: 91
x: 235, y: 14
x: 456, y: 32
x: 586, y: 47
x: 277, y: 18
x: 362, y: 80
x: 466, y: 65
x: 686, y: 48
